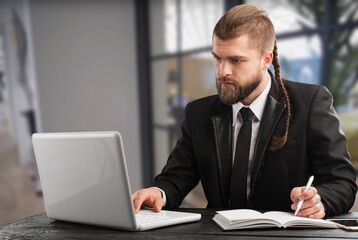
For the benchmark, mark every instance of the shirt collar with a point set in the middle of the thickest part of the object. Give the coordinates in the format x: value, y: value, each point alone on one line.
x: 257, y: 106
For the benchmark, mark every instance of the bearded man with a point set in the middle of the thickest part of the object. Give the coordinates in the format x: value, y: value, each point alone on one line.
x: 292, y: 132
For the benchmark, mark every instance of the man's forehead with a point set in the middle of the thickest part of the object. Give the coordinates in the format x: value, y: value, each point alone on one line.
x: 240, y: 38
x: 238, y: 46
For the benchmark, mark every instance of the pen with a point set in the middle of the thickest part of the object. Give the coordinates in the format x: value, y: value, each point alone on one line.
x: 308, y: 185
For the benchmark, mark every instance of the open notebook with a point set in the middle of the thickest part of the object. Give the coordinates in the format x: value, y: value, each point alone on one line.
x: 248, y: 218
x: 84, y: 179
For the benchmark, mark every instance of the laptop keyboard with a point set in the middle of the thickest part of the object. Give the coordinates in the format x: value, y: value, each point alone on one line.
x: 149, y: 217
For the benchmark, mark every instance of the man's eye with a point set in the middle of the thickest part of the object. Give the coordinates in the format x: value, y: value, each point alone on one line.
x: 216, y: 58
x: 235, y: 60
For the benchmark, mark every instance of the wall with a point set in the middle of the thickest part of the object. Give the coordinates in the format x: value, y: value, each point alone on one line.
x: 86, y: 69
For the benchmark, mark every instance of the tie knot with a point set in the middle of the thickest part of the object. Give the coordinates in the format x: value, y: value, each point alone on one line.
x: 247, y: 114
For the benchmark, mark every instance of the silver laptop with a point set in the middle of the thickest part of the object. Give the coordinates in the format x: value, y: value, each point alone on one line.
x: 84, y: 179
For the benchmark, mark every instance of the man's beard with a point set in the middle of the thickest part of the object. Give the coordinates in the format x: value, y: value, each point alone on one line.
x: 237, y: 93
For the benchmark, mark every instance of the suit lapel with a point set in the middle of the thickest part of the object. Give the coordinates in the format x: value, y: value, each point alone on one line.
x: 272, y: 113
x: 223, y: 146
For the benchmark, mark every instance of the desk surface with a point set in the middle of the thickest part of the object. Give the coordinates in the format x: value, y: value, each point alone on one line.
x: 41, y: 227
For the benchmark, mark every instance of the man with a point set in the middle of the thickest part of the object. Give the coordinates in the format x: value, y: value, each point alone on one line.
x: 293, y: 129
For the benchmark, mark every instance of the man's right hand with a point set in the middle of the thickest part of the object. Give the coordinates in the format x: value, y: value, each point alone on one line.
x: 147, y: 197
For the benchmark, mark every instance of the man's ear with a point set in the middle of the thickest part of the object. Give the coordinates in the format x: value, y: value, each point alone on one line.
x: 267, y: 59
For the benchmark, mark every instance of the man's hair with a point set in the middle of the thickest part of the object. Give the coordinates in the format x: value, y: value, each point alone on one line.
x: 253, y: 21
x: 247, y: 19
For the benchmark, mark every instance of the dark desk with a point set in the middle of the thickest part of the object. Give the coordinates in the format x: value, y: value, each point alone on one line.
x: 41, y: 227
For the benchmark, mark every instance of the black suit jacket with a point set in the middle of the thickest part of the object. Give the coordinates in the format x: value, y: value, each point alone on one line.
x: 315, y: 146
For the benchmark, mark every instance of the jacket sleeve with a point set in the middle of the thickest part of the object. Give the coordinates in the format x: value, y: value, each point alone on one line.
x: 180, y: 175
x: 335, y: 177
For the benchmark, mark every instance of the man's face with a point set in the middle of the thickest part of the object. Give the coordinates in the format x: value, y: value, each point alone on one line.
x: 239, y: 70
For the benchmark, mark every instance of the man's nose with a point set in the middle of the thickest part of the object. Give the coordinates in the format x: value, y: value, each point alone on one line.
x: 225, y: 69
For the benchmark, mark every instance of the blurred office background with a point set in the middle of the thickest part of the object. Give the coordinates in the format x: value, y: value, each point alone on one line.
x: 132, y: 66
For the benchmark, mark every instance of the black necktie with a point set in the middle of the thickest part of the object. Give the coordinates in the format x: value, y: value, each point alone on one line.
x: 238, y: 184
